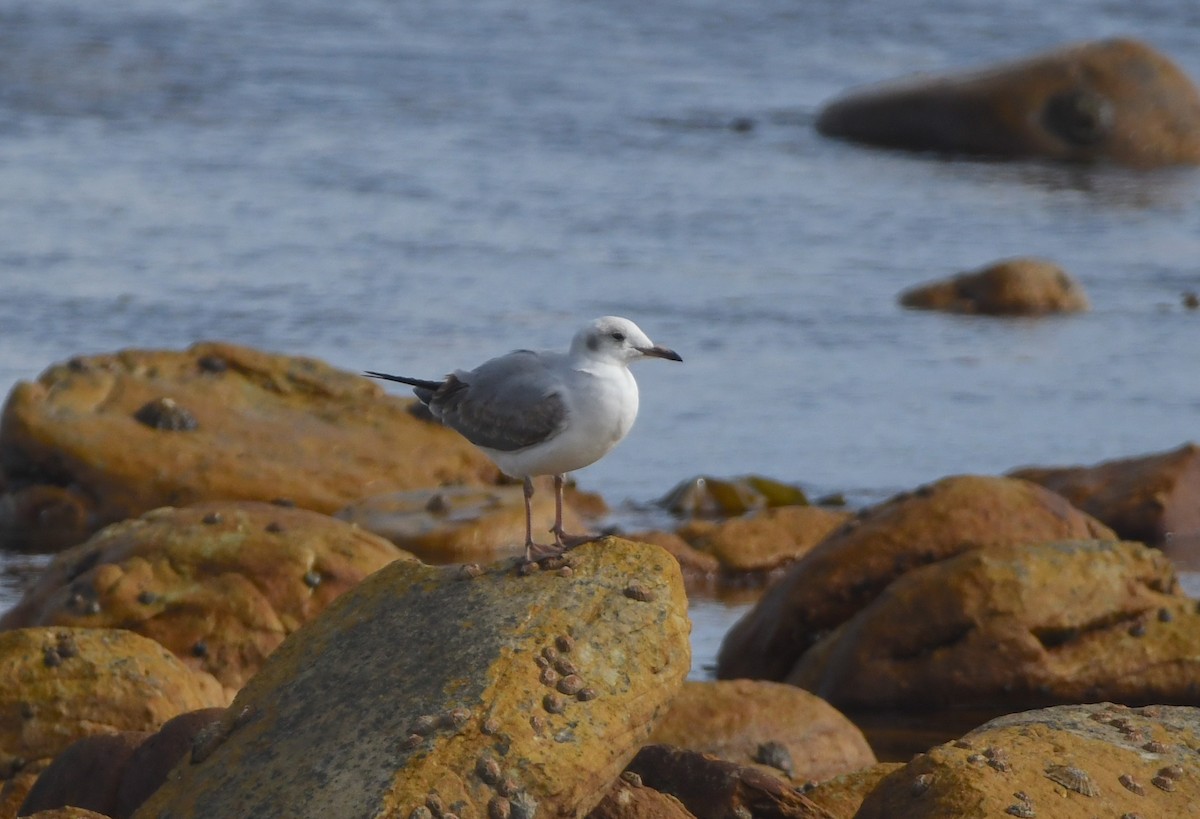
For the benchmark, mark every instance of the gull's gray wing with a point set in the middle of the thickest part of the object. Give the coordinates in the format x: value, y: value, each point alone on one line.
x: 505, y: 404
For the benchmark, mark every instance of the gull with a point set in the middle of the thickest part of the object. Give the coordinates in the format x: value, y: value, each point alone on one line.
x: 546, y: 413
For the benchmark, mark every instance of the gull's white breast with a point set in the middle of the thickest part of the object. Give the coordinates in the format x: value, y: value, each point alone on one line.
x: 601, y: 403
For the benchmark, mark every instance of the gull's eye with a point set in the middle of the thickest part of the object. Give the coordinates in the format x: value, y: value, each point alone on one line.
x: 617, y: 335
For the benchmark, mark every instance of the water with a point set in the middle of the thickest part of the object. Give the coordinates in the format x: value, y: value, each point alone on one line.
x: 417, y: 186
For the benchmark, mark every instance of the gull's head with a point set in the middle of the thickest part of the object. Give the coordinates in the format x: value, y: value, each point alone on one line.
x: 617, y: 340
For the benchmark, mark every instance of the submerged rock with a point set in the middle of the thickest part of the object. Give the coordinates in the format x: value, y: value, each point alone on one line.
x: 459, y: 524
x: 1068, y: 762
x: 493, y: 693
x: 707, y: 497
x: 107, y: 437
x: 852, y: 566
x: 1117, y: 100
x: 1013, y: 287
x: 220, y: 584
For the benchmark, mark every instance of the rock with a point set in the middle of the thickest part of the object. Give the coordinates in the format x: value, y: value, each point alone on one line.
x: 1117, y: 100
x: 709, y: 497
x: 855, y: 563
x: 1017, y: 627
x: 629, y: 799
x: 108, y: 437
x: 755, y: 545
x: 700, y: 570
x: 1013, y: 287
x: 66, y: 813
x: 220, y: 584
x: 85, y: 775
x: 749, y: 721
x: 712, y: 788
x: 114, y: 774
x: 1145, y: 498
x: 498, y: 693
x: 67, y: 683
x: 459, y: 524
x: 1068, y: 762
x: 842, y: 796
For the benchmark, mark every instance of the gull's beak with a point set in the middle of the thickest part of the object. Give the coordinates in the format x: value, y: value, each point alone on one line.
x: 659, y: 352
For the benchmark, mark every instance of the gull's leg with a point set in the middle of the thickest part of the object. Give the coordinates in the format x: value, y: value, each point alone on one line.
x: 535, y: 551
x: 528, y: 519
x: 561, y: 538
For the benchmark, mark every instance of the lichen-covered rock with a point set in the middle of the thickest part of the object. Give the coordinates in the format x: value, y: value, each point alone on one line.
x: 1145, y: 498
x: 1068, y: 762
x: 62, y: 684
x: 459, y: 524
x: 854, y: 564
x: 490, y: 693
x: 713, y: 788
x: 221, y: 584
x: 1012, y: 287
x: 755, y: 722
x: 1018, y: 626
x: 1117, y: 100
x: 103, y: 438
x: 759, y: 543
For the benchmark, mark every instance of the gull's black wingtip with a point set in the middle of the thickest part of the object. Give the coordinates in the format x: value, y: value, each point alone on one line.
x: 412, y: 382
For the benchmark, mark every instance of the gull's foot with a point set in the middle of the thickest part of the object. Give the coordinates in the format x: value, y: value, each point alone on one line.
x: 535, y: 552
x: 566, y: 542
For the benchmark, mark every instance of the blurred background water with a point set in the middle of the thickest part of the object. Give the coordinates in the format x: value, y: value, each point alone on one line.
x: 417, y: 186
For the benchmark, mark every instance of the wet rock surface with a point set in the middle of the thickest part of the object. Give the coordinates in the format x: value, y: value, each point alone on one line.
x: 220, y: 584
x: 85, y: 444
x: 1065, y: 762
x: 1012, y: 287
x: 63, y: 684
x: 484, y: 694
x: 1117, y: 100
x: 1146, y: 498
x: 460, y: 524
x: 856, y: 563
x: 1015, y: 627
x: 755, y: 722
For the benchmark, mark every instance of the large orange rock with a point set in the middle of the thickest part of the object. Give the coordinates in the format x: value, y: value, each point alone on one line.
x: 221, y: 584
x: 751, y: 721
x: 1016, y: 627
x: 103, y: 438
x: 62, y: 684
x: 852, y: 566
x: 1146, y: 498
x: 501, y: 692
x: 1117, y: 100
x: 1069, y: 762
x: 1013, y: 287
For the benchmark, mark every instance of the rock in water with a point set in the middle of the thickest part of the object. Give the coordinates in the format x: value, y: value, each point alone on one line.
x: 442, y: 690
